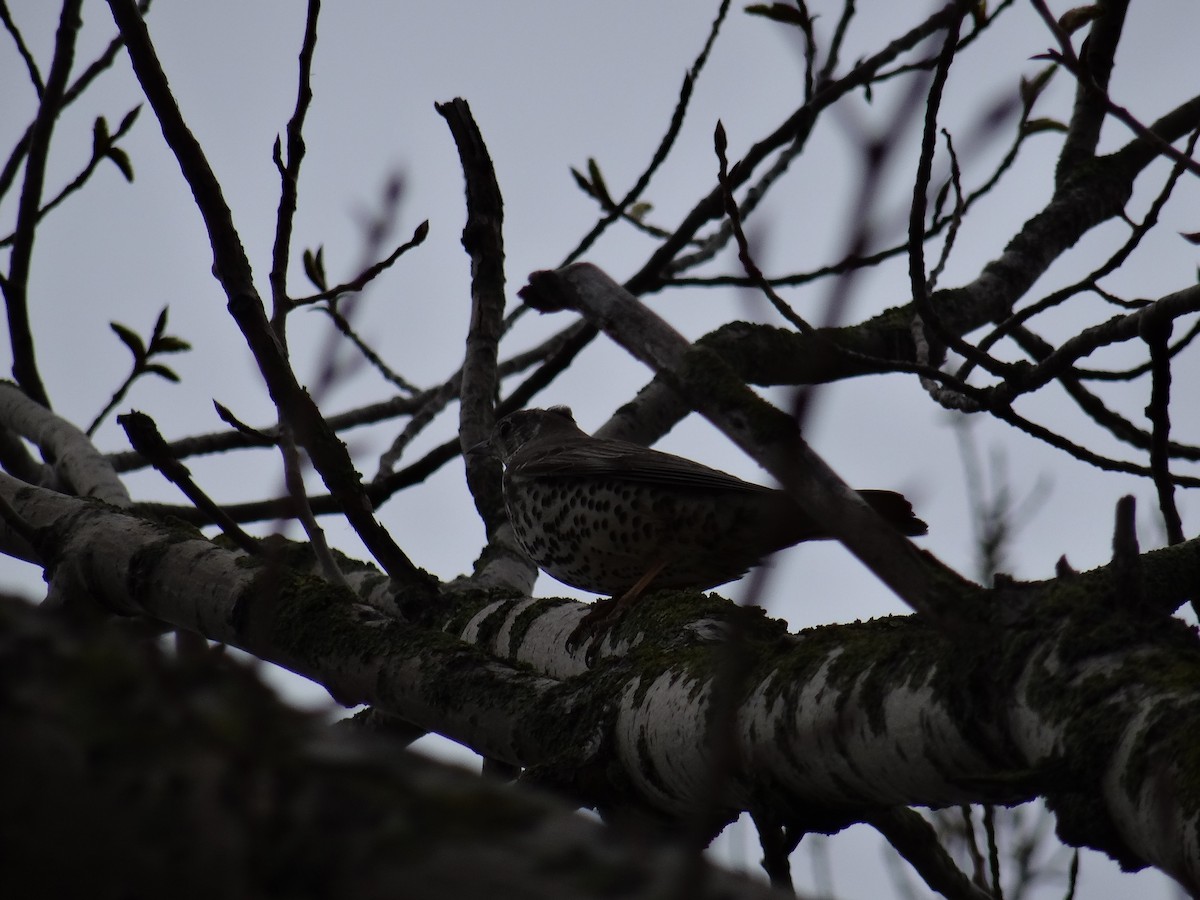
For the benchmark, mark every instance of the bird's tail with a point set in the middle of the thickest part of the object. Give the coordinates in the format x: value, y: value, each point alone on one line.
x: 897, y: 510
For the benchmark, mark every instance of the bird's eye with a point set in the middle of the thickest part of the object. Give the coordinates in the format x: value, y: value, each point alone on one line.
x: 505, y: 429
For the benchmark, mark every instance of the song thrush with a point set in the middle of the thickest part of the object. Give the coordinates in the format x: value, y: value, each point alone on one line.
x: 617, y: 518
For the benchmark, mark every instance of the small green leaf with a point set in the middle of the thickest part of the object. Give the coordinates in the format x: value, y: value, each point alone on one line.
x: 130, y: 118
x: 162, y: 372
x: 121, y: 160
x: 598, y: 186
x: 639, y: 211
x: 314, y: 267
x: 130, y: 339
x: 160, y: 325
x: 583, y: 183
x: 1074, y: 19
x: 100, y: 136
x: 170, y: 344
x: 1031, y: 88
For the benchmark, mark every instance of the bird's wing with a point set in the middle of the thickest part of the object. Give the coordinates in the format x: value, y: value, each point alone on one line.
x: 626, y: 462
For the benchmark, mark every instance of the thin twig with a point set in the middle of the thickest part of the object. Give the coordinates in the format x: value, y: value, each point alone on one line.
x: 1089, y: 281
x: 293, y: 476
x: 354, y: 285
x: 1157, y: 335
x: 99, y: 65
x: 16, y: 285
x: 918, y: 279
x: 289, y: 171
x: 143, y: 434
x: 955, y: 218
x: 1117, y: 425
x: 101, y: 150
x: 735, y: 222
x: 989, y: 829
x: 232, y: 269
x: 664, y: 145
x: 343, y: 325
x: 1140, y: 370
x: 799, y: 123
x: 35, y: 77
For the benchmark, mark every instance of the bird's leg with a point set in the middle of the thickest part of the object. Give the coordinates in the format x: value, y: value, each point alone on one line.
x: 608, y: 613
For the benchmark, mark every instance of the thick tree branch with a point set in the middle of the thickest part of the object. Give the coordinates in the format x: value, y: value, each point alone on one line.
x: 502, y: 564
x: 1089, y: 111
x: 189, y: 778
x: 770, y: 437
x: 82, y: 468
x: 823, y: 719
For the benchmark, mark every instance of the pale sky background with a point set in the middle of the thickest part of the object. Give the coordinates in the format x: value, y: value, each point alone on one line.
x: 551, y: 84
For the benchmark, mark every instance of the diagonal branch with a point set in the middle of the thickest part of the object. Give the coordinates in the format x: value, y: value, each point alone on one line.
x: 768, y: 436
x: 232, y: 269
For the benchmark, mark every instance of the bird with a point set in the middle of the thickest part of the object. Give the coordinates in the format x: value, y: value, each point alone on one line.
x: 616, y: 518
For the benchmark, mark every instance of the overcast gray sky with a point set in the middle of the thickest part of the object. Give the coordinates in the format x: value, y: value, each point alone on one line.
x: 551, y: 84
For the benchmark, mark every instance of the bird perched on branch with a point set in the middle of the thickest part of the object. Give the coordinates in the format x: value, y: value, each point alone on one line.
x: 619, y: 519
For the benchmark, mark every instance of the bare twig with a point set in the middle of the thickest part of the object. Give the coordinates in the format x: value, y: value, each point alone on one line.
x: 16, y: 285
x: 1108, y: 464
x: 1157, y: 335
x: 797, y: 125
x: 1115, y: 330
x: 145, y: 438
x: 664, y: 146
x: 232, y: 269
x: 1089, y: 281
x: 289, y: 172
x: 369, y: 274
x: 342, y: 324
x: 989, y: 829
x: 735, y: 222
x: 955, y: 217
x: 9, y: 172
x: 293, y: 475
x: 1114, y: 422
x: 1129, y: 374
x: 35, y: 76
x: 918, y: 279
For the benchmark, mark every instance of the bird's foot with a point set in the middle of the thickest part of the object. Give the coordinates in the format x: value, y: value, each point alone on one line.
x: 599, y: 620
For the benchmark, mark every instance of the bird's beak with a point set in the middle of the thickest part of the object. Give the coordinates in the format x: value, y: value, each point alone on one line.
x: 483, y: 448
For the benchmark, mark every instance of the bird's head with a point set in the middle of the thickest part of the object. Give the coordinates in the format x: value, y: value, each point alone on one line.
x: 517, y: 429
